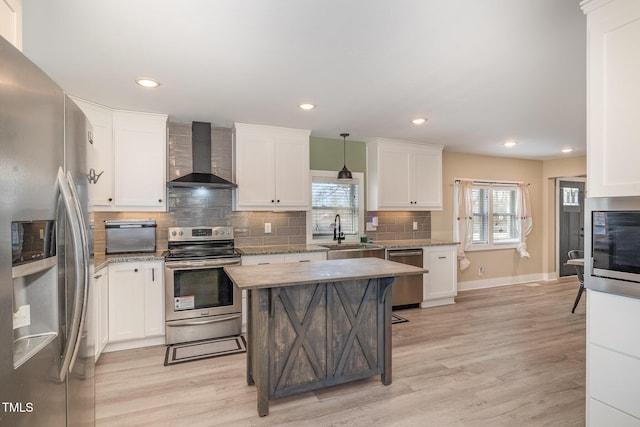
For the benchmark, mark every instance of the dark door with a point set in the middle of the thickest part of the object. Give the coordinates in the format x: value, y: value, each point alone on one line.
x: 570, y: 222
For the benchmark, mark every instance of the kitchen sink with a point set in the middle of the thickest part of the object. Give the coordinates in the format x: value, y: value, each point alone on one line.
x: 354, y: 250
x: 349, y: 246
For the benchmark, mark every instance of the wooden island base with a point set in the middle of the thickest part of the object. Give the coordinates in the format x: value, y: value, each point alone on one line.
x: 306, y: 335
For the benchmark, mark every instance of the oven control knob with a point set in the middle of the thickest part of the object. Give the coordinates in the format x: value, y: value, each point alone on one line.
x: 215, y: 232
x: 181, y: 233
x: 173, y: 233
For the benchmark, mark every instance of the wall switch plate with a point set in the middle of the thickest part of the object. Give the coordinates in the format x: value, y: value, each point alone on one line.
x: 267, y: 227
x: 415, y: 225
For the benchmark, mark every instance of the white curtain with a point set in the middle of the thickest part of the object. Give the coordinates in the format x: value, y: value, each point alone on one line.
x: 464, y: 221
x: 525, y: 221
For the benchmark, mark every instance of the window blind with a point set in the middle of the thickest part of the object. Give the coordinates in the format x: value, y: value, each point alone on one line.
x: 330, y: 198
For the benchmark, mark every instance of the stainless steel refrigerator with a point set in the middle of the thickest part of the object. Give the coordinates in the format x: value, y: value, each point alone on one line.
x: 46, y: 354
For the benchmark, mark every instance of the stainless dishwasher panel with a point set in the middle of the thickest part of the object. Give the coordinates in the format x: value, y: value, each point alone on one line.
x: 407, y: 290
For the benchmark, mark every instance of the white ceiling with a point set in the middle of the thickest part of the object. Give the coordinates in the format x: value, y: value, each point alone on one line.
x: 482, y: 72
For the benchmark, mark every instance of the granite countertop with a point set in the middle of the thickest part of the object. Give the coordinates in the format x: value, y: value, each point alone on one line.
x: 279, y: 249
x: 413, y: 243
x: 302, y: 273
x: 102, y: 260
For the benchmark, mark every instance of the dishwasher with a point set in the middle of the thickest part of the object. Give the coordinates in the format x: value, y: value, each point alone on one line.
x: 407, y: 290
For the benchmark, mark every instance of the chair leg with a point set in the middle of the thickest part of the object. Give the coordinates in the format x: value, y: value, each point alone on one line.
x: 575, y: 304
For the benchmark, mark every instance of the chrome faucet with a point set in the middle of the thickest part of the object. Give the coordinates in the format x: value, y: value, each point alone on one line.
x: 337, y: 230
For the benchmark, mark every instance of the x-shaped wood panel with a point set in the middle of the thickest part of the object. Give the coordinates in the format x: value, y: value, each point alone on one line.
x: 355, y: 319
x: 301, y: 328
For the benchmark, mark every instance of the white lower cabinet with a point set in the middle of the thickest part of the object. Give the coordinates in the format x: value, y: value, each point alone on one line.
x: 136, y: 303
x: 440, y: 284
x: 100, y: 294
x: 613, y: 360
x: 275, y: 259
x: 153, y: 298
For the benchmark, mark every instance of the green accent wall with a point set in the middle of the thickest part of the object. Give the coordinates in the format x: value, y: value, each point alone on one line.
x: 327, y: 153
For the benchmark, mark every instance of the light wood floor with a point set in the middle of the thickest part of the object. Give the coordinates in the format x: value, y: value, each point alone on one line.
x: 508, y: 356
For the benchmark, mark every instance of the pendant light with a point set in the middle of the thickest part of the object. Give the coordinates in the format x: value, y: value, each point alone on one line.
x: 344, y: 173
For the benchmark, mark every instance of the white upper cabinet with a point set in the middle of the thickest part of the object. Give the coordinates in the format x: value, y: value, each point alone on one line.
x: 403, y: 175
x: 127, y: 158
x: 613, y: 97
x: 11, y: 21
x: 100, y: 154
x: 140, y: 153
x: 271, y: 168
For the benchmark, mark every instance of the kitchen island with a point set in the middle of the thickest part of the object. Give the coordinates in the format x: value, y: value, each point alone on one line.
x: 317, y: 324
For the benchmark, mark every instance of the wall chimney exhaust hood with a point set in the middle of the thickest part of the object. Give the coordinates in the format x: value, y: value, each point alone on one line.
x: 201, y: 155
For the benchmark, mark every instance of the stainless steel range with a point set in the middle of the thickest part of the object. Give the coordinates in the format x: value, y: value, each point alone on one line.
x: 201, y: 302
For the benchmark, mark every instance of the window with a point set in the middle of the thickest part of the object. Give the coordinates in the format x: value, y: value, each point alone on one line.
x: 570, y: 196
x: 331, y: 197
x: 495, y: 220
x: 494, y: 215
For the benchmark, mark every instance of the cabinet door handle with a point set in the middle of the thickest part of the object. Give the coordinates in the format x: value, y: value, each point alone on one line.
x: 90, y: 136
x: 110, y: 199
x: 97, y: 276
x: 135, y: 270
x: 153, y: 274
x: 442, y: 257
x: 159, y: 200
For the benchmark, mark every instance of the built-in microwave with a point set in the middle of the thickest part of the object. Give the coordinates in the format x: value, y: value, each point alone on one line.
x: 612, y: 245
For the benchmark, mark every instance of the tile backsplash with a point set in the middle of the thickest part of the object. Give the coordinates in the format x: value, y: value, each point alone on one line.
x: 287, y: 228
x: 188, y: 207
x: 398, y: 225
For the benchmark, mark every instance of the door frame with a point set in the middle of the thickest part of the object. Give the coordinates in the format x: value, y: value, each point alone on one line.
x: 557, y: 181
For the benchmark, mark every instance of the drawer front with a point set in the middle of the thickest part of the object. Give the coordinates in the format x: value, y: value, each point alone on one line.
x: 614, y: 322
x: 614, y: 379
x: 603, y: 415
x: 262, y: 259
x: 305, y: 256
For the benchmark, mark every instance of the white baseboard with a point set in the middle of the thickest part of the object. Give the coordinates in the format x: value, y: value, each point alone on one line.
x: 437, y: 302
x: 127, y: 345
x: 503, y: 281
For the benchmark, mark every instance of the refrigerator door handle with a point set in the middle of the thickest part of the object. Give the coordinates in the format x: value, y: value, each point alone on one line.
x: 71, y: 207
x: 83, y: 283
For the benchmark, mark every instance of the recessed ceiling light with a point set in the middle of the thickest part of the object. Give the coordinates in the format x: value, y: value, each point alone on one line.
x: 567, y: 150
x: 145, y: 82
x: 307, y: 106
x: 510, y: 144
x: 418, y: 121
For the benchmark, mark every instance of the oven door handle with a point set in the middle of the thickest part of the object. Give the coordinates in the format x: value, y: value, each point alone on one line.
x: 201, y: 322
x: 200, y: 264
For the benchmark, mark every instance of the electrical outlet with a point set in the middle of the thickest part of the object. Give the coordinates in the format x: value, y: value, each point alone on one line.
x: 415, y: 225
x: 267, y: 227
x: 481, y: 271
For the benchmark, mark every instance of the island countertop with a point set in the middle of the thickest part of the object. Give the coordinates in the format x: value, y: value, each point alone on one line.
x: 300, y: 273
